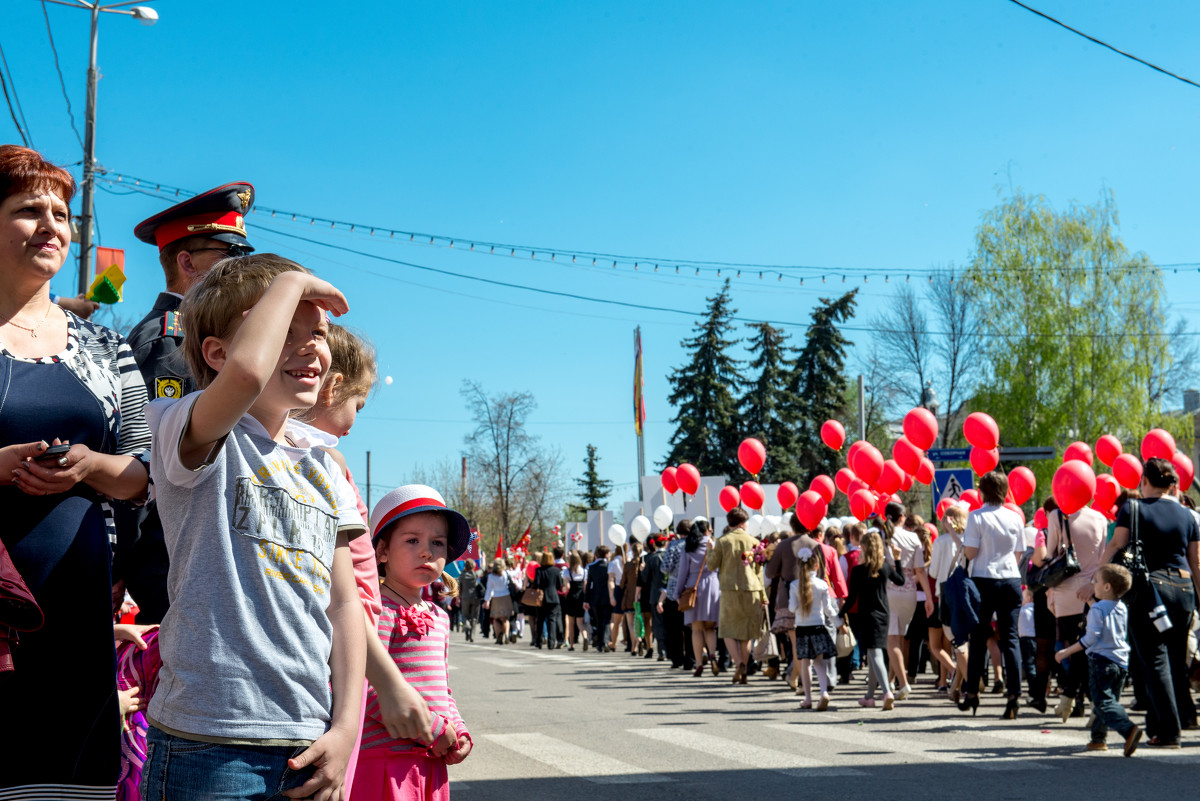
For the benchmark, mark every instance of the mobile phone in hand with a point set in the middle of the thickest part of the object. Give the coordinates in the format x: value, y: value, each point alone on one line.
x: 53, y: 453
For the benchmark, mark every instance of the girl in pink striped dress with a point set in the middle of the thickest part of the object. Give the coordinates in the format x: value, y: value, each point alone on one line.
x: 414, y: 536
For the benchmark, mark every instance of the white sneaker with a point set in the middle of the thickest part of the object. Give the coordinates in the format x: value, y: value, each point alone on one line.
x: 903, y: 692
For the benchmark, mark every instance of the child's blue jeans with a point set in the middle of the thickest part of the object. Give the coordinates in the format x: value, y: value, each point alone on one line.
x: 1106, y: 679
x: 177, y: 768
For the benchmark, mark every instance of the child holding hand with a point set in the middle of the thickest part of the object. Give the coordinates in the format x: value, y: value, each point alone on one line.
x: 1107, y: 648
x: 415, y: 535
x: 812, y: 604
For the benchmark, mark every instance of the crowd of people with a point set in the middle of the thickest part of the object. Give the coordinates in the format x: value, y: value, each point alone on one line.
x: 892, y: 596
x: 289, y: 644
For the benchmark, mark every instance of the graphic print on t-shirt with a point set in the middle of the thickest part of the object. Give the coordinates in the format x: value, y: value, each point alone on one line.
x: 295, y: 539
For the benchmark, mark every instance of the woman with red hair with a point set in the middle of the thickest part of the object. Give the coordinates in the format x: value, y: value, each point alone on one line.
x: 62, y: 380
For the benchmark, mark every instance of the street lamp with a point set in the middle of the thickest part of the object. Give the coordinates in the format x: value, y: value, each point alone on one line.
x: 148, y: 16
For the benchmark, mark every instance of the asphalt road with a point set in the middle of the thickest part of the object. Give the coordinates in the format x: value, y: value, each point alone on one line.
x: 601, y: 727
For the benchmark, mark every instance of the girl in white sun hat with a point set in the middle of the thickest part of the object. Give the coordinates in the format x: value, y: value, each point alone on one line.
x: 415, y: 535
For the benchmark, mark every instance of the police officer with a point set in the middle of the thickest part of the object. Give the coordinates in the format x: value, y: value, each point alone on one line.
x: 191, y: 237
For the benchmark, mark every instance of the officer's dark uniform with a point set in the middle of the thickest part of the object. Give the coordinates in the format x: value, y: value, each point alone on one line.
x: 156, y: 343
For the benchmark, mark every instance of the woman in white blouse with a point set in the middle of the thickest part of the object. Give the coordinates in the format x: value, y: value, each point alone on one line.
x: 993, y: 538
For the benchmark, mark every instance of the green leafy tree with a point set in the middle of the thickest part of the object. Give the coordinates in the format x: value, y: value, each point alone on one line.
x: 765, y: 405
x: 593, y: 490
x: 704, y: 394
x: 1075, y: 328
x: 818, y: 386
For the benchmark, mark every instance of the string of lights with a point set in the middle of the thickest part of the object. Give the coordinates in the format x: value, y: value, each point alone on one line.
x: 794, y: 275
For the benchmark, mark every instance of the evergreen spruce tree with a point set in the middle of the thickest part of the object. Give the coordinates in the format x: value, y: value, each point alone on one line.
x: 704, y: 394
x: 818, y: 387
x: 594, y: 491
x: 765, y: 405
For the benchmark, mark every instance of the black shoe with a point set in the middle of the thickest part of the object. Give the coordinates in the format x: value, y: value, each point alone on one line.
x: 650, y: 653
x: 997, y: 688
x: 969, y: 702
x: 1039, y: 704
x: 1010, y: 711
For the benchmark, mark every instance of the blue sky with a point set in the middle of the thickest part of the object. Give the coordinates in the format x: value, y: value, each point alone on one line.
x: 845, y: 136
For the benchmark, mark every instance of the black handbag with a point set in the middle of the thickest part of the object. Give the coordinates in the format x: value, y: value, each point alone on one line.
x: 1057, y: 570
x: 1131, y: 556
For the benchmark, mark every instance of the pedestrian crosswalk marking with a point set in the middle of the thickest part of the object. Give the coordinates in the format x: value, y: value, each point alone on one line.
x: 902, y: 744
x: 584, y: 763
x: 696, y: 739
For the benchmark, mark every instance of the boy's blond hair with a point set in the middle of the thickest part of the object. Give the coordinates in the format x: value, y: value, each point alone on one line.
x: 214, y: 304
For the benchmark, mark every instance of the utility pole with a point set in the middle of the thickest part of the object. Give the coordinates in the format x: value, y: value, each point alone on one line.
x: 368, y: 482
x: 89, y: 161
x: 862, y: 410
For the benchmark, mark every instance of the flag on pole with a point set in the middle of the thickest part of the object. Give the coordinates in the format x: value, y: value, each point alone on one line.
x: 639, y: 402
x: 473, y: 549
x: 500, y: 546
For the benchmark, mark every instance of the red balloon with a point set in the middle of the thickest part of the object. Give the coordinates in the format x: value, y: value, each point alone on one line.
x: 823, y: 485
x: 1107, y: 490
x: 881, y: 504
x: 1185, y: 469
x: 729, y: 498
x: 753, y: 495
x: 933, y: 532
x: 973, y: 498
x: 787, y: 494
x: 668, y: 480
x: 1078, y: 452
x: 810, y: 508
x: 981, y: 431
x: 862, y: 504
x: 1022, y: 484
x: 1012, y: 507
x: 868, y: 463
x: 907, y: 484
x: 943, y: 505
x: 1158, y: 444
x: 752, y: 455
x: 1039, y: 519
x: 855, y: 447
x: 1108, y: 448
x: 907, y: 455
x: 1127, y: 470
x: 833, y: 434
x: 688, y: 478
x: 1073, y: 486
x: 1108, y: 511
x: 921, y: 427
x: 925, y: 472
x: 842, y: 479
x: 890, y: 478
x: 984, y: 460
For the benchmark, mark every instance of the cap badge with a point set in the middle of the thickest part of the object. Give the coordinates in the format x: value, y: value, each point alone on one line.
x: 245, y: 198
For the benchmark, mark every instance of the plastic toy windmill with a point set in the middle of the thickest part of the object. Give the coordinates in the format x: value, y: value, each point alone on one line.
x: 110, y: 276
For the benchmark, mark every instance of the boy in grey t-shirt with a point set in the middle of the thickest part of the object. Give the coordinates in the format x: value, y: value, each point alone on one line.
x: 263, y: 648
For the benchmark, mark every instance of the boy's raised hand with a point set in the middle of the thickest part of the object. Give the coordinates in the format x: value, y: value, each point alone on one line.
x: 330, y: 753
x: 324, y: 295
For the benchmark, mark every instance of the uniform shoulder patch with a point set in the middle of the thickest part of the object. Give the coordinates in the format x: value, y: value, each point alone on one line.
x: 171, y: 325
x: 168, y: 387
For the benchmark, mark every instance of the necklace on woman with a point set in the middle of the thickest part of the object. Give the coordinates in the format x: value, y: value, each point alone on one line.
x: 399, y: 594
x: 32, y: 331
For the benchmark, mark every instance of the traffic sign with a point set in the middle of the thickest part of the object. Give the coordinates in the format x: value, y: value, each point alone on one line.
x: 1026, y: 454
x: 951, y: 484
x: 948, y: 454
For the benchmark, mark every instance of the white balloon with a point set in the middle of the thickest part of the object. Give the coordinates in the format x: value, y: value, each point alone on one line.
x: 765, y: 528
x: 388, y: 380
x: 640, y: 527
x: 776, y: 523
x: 785, y: 522
x: 616, y: 534
x: 754, y: 525
x: 663, y: 517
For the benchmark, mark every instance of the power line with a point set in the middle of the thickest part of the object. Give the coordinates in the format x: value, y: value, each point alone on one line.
x: 61, y: 82
x: 664, y: 309
x: 12, y: 112
x: 26, y: 133
x: 796, y: 275
x: 1116, y: 50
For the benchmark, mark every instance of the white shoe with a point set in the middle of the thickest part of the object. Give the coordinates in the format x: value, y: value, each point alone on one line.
x: 903, y: 692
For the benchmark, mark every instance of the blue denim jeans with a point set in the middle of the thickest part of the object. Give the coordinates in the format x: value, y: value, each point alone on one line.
x: 178, y: 769
x: 1105, y: 680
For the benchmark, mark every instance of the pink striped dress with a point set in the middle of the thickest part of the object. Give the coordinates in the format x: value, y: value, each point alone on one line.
x: 418, y: 641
